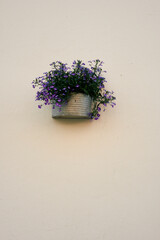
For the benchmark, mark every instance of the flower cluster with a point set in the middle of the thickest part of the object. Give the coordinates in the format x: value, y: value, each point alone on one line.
x: 56, y: 86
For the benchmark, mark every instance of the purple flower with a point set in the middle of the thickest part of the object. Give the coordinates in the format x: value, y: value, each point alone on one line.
x: 77, y: 85
x: 110, y: 97
x: 39, y: 106
x: 99, y: 109
x: 113, y: 104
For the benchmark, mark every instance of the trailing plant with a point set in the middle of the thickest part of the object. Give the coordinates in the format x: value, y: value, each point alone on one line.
x: 57, y: 85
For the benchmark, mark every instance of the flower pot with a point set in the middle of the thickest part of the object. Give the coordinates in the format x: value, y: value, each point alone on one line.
x: 78, y: 106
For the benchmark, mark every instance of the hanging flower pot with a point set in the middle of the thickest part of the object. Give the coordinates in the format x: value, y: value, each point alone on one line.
x: 72, y: 91
x: 78, y: 106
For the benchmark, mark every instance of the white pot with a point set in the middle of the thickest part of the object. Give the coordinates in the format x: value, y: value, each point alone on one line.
x: 78, y: 106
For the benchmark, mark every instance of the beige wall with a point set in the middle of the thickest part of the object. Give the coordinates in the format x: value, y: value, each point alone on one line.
x: 74, y: 180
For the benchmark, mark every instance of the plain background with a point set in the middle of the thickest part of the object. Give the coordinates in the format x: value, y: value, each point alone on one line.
x: 69, y: 179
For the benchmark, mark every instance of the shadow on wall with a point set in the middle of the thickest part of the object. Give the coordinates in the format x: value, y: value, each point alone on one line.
x: 72, y: 121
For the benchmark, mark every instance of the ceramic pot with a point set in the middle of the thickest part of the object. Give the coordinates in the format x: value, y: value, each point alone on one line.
x: 78, y: 106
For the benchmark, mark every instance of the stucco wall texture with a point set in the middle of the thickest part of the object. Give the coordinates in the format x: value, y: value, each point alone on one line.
x: 71, y: 179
